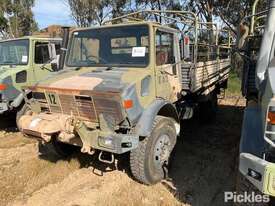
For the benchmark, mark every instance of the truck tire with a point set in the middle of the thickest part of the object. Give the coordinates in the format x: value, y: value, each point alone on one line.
x: 208, y: 109
x: 243, y: 185
x: 23, y: 110
x: 149, y: 162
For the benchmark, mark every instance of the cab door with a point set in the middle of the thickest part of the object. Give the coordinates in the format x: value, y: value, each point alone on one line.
x: 46, y: 57
x: 167, y: 65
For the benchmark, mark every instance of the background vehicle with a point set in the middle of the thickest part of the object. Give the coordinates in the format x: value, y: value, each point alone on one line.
x: 23, y: 62
x: 256, y: 165
x: 126, y: 86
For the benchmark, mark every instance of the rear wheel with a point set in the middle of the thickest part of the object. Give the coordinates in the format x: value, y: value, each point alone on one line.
x: 149, y: 162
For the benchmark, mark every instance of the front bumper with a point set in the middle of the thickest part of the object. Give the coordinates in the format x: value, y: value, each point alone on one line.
x: 69, y: 130
x: 259, y: 172
x: 3, y: 107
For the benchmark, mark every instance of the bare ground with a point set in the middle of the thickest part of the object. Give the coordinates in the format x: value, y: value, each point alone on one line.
x: 204, y: 167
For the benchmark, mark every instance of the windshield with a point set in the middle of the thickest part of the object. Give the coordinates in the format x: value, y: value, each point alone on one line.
x: 115, y: 46
x: 14, y: 52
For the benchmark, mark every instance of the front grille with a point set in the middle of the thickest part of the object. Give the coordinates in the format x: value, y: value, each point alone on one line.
x: 84, y: 107
x: 79, y: 106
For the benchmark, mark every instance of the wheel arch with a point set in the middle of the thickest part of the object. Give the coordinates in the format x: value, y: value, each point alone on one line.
x: 158, y: 107
x: 169, y: 110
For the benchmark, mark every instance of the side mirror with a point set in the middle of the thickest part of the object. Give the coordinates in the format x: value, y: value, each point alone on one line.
x: 173, y: 60
x: 52, y: 51
x: 54, y: 67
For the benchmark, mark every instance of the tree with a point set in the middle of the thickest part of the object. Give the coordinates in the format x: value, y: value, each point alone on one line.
x: 22, y: 20
x: 16, y: 18
x: 203, y: 8
x: 232, y: 12
x: 3, y: 19
x: 89, y: 12
x: 160, y: 5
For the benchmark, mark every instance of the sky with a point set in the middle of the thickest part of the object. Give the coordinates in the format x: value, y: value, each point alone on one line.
x: 48, y: 12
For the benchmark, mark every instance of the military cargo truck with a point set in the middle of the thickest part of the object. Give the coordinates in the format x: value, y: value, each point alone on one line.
x: 257, y: 157
x: 23, y: 62
x: 127, y: 85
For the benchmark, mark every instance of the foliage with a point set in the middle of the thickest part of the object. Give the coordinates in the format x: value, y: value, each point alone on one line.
x: 234, y: 83
x: 16, y: 18
x: 231, y: 12
x: 90, y: 12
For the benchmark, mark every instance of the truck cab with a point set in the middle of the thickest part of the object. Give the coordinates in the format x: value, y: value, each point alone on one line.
x: 23, y: 62
x: 125, y: 87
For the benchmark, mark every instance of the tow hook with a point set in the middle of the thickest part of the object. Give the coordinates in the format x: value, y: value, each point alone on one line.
x: 87, y: 149
x: 108, y: 161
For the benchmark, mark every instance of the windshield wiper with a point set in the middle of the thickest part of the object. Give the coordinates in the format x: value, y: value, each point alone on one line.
x: 94, y: 62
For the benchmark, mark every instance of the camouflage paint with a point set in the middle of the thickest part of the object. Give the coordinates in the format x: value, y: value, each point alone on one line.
x: 98, y: 85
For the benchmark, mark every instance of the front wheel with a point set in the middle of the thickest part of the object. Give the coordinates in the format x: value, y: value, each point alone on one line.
x: 149, y: 162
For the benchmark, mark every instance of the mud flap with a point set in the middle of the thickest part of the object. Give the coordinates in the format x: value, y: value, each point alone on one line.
x: 252, y: 140
x: 259, y: 172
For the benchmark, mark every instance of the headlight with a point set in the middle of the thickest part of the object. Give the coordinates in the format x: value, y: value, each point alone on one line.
x: 106, y: 142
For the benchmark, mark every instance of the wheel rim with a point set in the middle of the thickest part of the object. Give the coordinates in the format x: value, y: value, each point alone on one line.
x: 162, y: 151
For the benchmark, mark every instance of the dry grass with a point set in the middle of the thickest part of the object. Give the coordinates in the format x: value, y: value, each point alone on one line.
x: 204, y: 167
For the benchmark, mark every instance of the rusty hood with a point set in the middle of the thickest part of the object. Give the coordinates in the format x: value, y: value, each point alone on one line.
x: 85, y: 79
x: 107, y: 87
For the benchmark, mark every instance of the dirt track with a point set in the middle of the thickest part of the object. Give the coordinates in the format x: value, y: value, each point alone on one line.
x: 203, y: 168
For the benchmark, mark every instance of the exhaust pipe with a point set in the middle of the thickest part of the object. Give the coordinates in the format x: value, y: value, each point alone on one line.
x: 64, y: 47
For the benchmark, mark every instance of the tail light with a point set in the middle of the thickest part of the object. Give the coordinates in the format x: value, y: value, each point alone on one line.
x: 271, y: 117
x: 270, y: 125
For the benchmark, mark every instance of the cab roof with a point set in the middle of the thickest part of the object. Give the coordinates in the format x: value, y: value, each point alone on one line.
x: 32, y: 38
x: 129, y: 23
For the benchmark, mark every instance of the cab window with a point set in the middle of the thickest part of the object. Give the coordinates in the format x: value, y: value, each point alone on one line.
x: 117, y: 46
x: 164, y: 48
x: 42, y: 55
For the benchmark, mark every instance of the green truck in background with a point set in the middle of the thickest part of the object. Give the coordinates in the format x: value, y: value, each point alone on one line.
x: 23, y: 62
